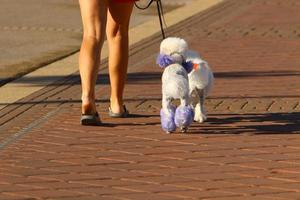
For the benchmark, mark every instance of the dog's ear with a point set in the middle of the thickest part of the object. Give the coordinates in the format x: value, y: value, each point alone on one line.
x: 164, y: 60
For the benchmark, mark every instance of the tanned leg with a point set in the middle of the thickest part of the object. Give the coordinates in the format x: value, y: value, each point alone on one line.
x: 94, y: 15
x: 117, y: 35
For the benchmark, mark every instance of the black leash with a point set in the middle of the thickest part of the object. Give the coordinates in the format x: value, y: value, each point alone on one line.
x: 160, y: 13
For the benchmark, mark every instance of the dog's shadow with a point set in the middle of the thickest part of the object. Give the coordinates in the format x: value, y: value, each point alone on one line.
x: 268, y: 123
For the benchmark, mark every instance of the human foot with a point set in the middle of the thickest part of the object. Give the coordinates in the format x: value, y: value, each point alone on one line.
x: 89, y: 116
x: 90, y: 119
x: 117, y: 109
x: 88, y: 106
x: 121, y: 114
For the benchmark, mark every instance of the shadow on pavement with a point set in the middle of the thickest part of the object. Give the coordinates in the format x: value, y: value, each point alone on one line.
x: 245, y: 74
x: 252, y: 124
x: 148, y: 77
x: 76, y: 101
x: 141, y: 116
x: 265, y: 123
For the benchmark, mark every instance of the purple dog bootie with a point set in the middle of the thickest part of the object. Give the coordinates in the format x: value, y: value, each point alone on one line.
x: 167, y: 120
x: 184, y: 117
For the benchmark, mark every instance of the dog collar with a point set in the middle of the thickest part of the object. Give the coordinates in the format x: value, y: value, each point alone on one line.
x: 165, y: 60
x: 196, y: 66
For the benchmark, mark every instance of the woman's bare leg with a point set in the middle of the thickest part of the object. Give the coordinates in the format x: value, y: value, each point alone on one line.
x: 94, y: 14
x: 117, y: 35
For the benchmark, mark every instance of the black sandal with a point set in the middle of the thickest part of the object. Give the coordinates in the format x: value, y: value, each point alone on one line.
x: 118, y: 115
x: 90, y: 119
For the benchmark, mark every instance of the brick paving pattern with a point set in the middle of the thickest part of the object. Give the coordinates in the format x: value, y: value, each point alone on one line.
x: 248, y: 148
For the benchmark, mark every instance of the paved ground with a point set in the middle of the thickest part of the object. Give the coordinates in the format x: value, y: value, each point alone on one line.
x: 248, y: 148
x: 34, y: 33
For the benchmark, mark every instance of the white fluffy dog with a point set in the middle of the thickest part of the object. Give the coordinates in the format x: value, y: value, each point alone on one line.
x: 185, y: 74
x: 175, y: 85
x: 201, y: 81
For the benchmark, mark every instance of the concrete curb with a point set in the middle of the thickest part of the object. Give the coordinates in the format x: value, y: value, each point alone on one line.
x: 51, y: 73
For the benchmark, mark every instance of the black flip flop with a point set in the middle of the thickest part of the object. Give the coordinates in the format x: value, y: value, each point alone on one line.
x: 90, y: 119
x: 118, y: 115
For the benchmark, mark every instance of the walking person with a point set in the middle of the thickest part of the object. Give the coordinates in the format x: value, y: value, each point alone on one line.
x: 98, y: 16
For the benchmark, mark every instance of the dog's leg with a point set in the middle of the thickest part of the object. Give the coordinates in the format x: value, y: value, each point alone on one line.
x: 200, y: 113
x: 167, y: 114
x: 166, y: 103
x: 193, y: 95
x: 184, y: 101
x: 184, y: 115
x: 203, y: 111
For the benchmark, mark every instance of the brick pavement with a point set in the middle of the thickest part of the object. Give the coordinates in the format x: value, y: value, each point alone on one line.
x: 248, y: 149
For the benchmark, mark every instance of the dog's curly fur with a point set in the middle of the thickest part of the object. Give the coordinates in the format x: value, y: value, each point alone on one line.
x: 201, y: 81
x: 175, y: 85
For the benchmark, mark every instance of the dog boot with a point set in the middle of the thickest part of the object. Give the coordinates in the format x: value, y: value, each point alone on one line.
x: 167, y: 119
x: 184, y: 117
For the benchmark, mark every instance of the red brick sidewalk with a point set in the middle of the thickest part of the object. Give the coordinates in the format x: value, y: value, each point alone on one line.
x: 248, y: 149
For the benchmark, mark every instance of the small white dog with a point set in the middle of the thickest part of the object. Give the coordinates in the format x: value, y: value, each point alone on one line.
x: 185, y: 74
x: 175, y: 85
x: 201, y: 81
